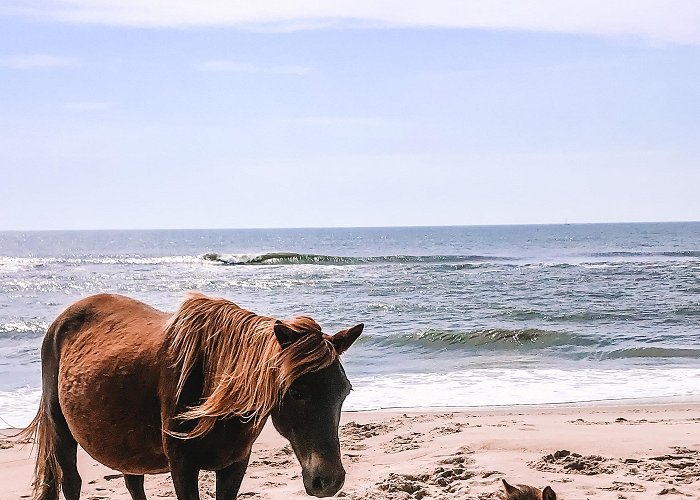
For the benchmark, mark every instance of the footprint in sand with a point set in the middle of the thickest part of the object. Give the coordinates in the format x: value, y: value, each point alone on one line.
x: 248, y: 494
x: 680, y: 467
x: 273, y: 484
x: 407, y: 483
x: 404, y: 442
x: 620, y: 486
x: 563, y: 461
x: 456, y: 468
x: 448, y: 478
x: 353, y: 431
x: 445, y: 430
x: 281, y: 457
x: 673, y: 491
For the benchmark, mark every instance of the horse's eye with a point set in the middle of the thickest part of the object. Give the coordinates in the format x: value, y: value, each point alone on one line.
x: 297, y: 394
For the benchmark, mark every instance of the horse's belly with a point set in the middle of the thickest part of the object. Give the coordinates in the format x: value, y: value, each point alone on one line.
x: 122, y: 448
x: 113, y: 412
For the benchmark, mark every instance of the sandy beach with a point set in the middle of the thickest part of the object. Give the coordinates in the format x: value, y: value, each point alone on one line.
x: 633, y: 450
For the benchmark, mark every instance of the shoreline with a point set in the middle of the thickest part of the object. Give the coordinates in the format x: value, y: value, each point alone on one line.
x: 650, y: 401
x: 631, y: 449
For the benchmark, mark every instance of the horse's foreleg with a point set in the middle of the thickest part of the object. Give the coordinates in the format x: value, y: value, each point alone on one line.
x: 134, y: 483
x: 228, y: 480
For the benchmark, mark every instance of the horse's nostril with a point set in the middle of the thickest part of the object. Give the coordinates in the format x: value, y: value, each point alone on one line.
x: 317, y: 483
x: 324, y: 485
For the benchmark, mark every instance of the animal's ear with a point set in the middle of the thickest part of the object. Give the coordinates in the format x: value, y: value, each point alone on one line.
x: 285, y: 335
x: 345, y: 338
x: 510, y: 489
x: 548, y: 494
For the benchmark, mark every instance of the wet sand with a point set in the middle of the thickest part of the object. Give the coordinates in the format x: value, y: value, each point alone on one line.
x: 633, y: 450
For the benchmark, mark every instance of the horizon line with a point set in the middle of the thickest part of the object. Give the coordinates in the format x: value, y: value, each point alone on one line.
x: 280, y: 228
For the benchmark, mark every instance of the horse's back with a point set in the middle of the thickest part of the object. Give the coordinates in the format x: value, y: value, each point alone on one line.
x: 107, y: 327
x: 109, y: 366
x: 97, y: 309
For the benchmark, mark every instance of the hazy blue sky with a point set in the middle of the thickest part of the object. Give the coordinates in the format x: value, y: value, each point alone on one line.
x: 133, y: 114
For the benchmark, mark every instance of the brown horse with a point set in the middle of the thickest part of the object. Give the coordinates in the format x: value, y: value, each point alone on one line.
x: 146, y: 392
x: 523, y: 492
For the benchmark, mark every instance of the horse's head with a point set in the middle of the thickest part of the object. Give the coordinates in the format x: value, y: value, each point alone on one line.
x: 523, y: 492
x: 309, y: 413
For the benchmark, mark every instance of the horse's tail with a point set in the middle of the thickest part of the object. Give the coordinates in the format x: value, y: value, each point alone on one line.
x: 47, y: 472
x: 41, y: 432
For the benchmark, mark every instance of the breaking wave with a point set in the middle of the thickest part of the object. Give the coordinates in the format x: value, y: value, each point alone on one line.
x: 500, y: 339
x: 671, y: 254
x: 486, y: 337
x: 454, y: 262
x: 305, y: 258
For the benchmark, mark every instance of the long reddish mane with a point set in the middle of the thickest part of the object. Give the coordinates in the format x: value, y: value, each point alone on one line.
x: 245, y: 370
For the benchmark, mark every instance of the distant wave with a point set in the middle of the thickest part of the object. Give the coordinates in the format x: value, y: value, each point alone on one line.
x: 575, y: 317
x: 673, y: 254
x: 304, y: 258
x: 652, y: 352
x: 19, y: 263
x: 502, y: 338
x: 453, y: 262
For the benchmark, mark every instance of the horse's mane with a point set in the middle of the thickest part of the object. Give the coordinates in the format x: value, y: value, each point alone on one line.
x: 245, y: 370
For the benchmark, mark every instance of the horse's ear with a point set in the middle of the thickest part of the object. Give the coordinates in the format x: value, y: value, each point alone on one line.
x: 285, y: 335
x: 510, y: 489
x: 548, y: 494
x: 345, y: 338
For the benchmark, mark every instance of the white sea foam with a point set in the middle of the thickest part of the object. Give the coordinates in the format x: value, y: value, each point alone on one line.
x: 233, y: 258
x: 495, y: 387
x: 482, y: 387
x: 21, y: 263
x: 17, y: 408
x: 16, y: 264
x: 23, y: 326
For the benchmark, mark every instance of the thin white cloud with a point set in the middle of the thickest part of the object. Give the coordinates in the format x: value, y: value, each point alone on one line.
x: 88, y: 106
x: 226, y: 66
x: 669, y: 21
x: 37, y: 61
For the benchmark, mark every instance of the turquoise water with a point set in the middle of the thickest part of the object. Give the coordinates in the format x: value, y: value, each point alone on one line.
x: 454, y: 316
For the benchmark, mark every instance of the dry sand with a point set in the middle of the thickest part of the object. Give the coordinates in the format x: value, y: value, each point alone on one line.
x: 633, y: 450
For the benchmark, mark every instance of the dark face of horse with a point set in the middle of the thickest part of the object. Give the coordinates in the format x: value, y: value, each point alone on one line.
x: 309, y: 415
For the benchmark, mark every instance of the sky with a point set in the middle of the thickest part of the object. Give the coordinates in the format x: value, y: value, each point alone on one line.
x: 226, y: 114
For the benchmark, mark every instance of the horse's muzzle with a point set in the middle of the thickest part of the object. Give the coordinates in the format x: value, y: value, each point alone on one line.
x: 322, y: 483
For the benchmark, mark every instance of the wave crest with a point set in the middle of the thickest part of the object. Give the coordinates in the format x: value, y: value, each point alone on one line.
x: 577, y: 346
x: 486, y: 337
x: 308, y: 258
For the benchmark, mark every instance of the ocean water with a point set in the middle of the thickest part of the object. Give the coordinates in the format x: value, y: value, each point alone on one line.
x: 455, y: 316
